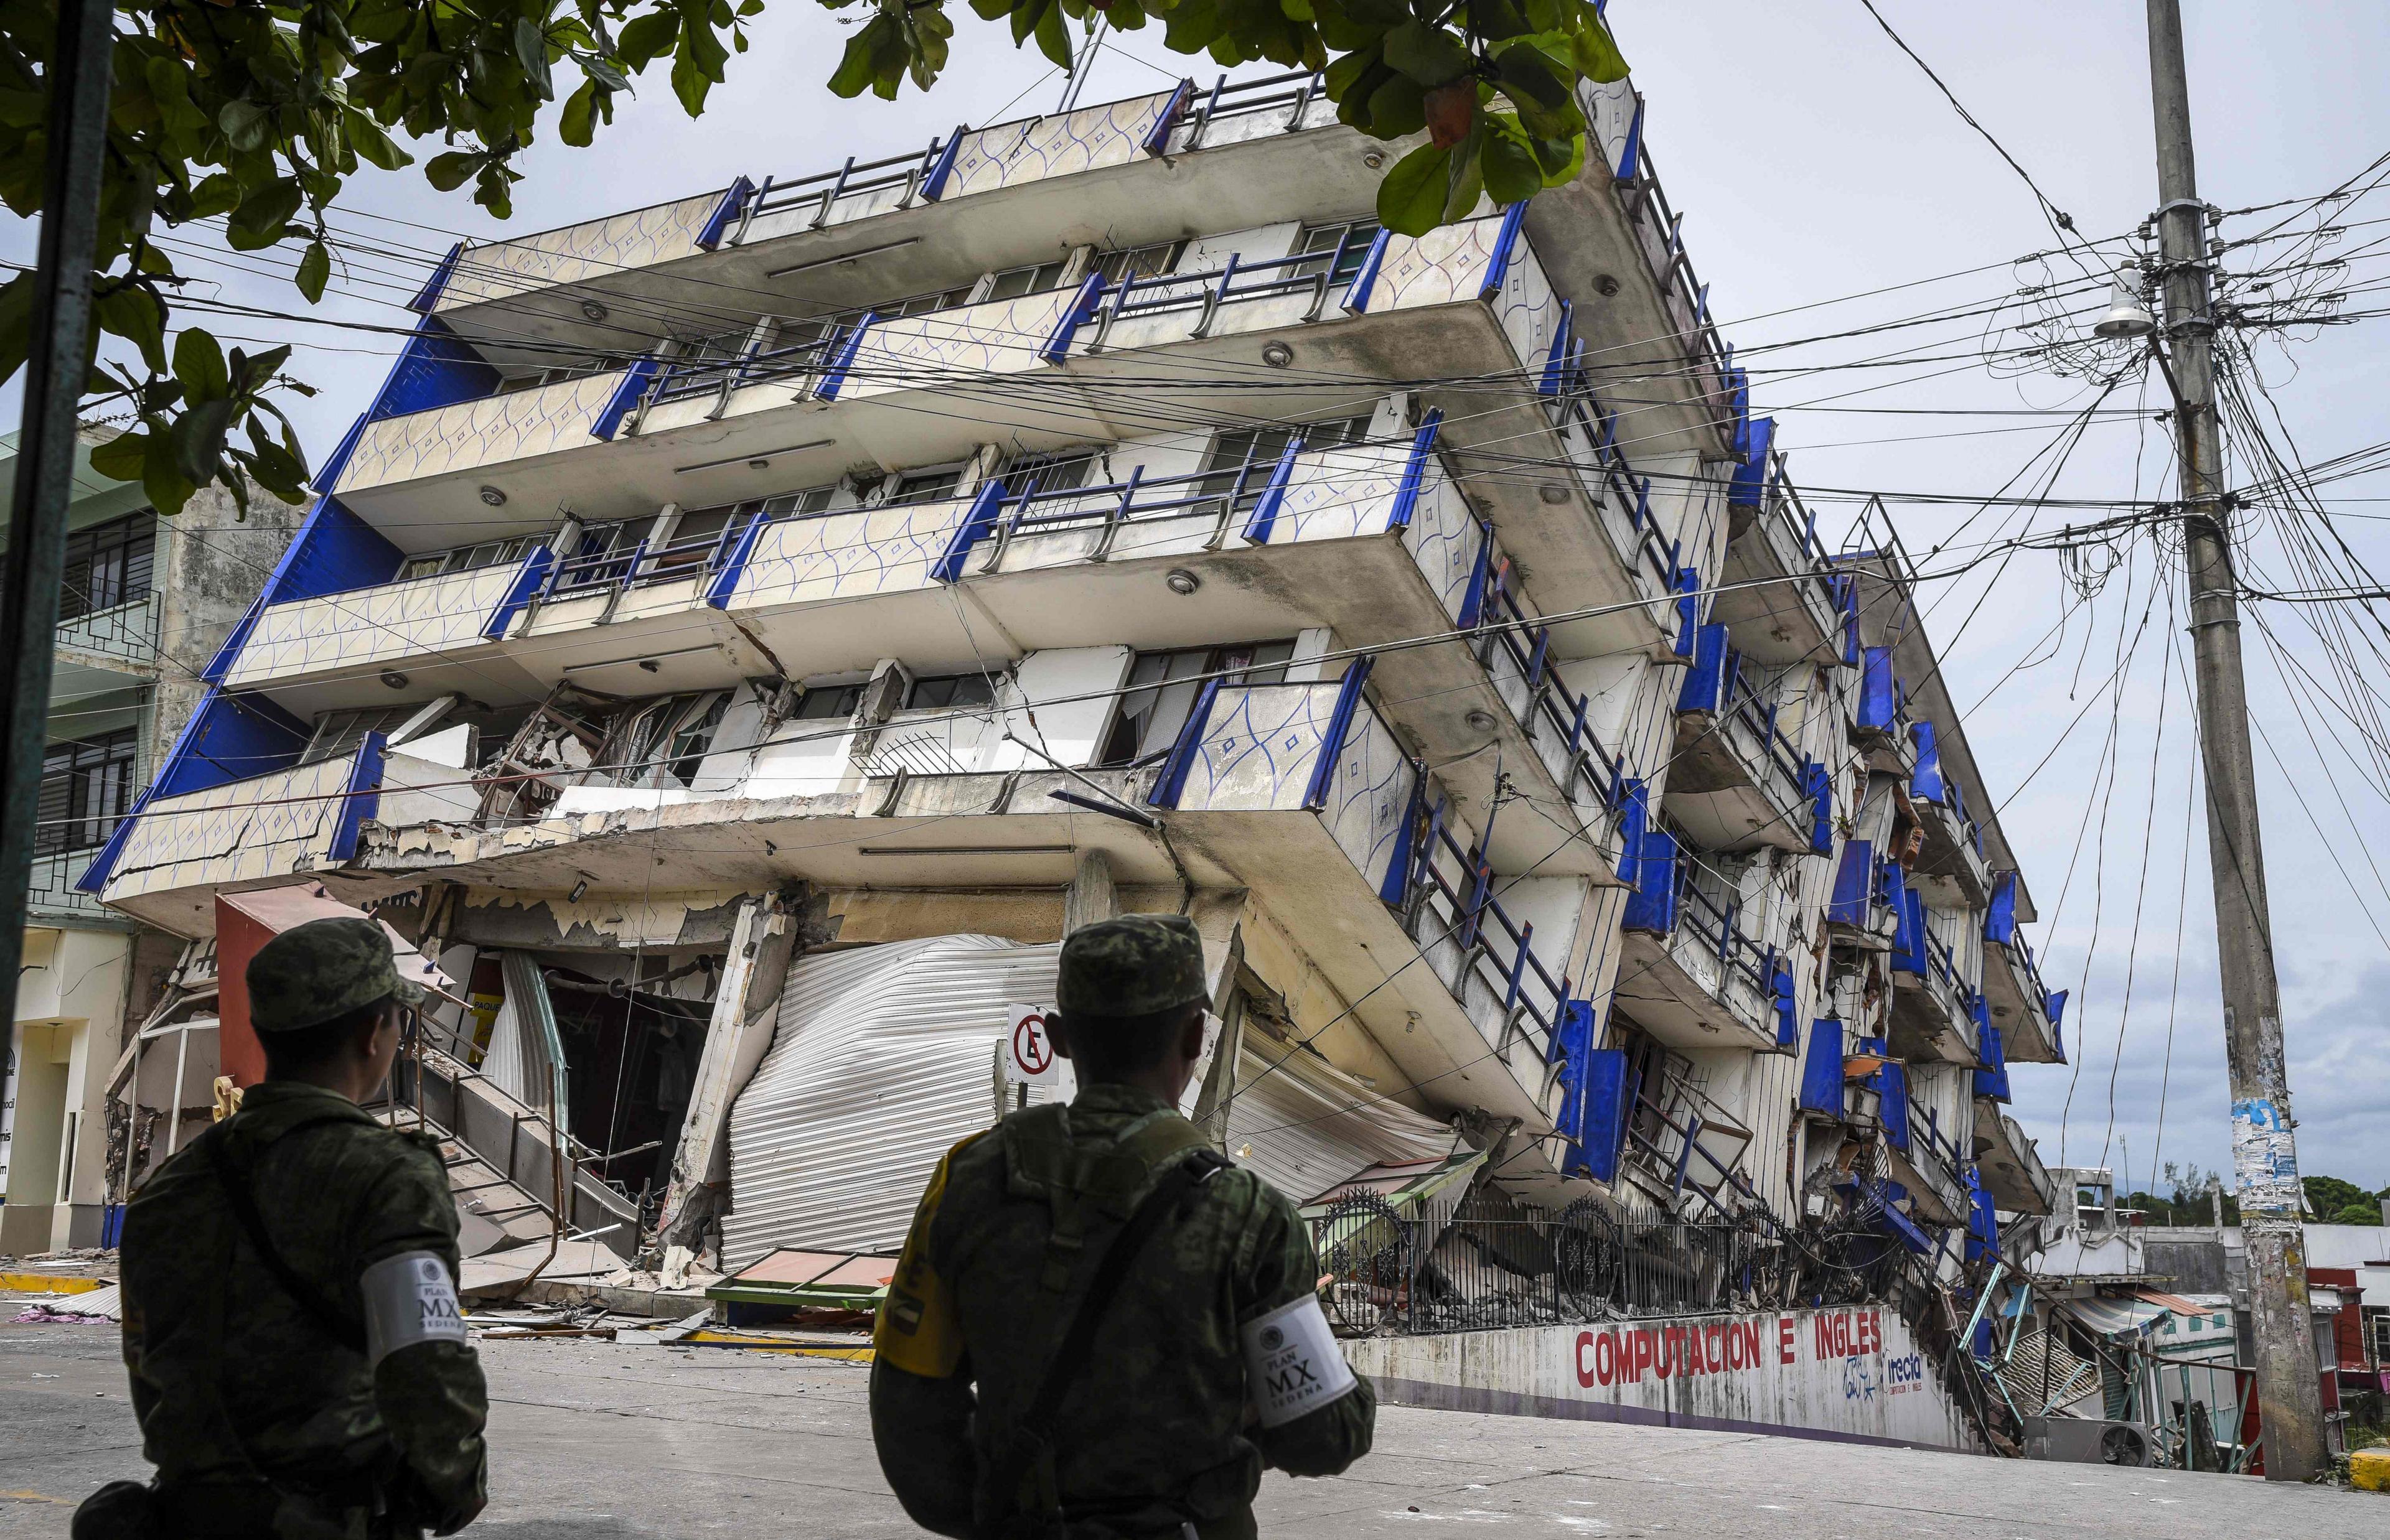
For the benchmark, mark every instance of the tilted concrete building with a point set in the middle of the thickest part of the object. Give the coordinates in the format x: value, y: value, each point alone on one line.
x: 890, y: 566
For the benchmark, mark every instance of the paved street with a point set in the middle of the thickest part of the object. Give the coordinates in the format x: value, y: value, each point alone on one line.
x: 599, y: 1441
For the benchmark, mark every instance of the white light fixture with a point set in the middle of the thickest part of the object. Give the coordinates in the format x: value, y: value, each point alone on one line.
x: 1278, y: 355
x: 492, y: 496
x: 1181, y: 580
x: 1480, y: 719
x: 594, y: 309
x: 2126, y: 316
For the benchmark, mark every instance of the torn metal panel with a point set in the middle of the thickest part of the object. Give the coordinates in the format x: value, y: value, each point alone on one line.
x: 663, y: 919
x: 1304, y: 1126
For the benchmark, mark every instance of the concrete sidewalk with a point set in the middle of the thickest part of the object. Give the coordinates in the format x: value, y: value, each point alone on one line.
x: 592, y: 1440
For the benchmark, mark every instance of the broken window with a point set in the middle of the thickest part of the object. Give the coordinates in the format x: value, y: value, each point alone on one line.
x: 929, y: 486
x: 1162, y: 687
x: 828, y: 702
x: 1142, y: 261
x: 1063, y: 470
x: 463, y: 558
x: 1341, y: 248
x: 557, y: 374
x: 661, y: 743
x: 1037, y: 279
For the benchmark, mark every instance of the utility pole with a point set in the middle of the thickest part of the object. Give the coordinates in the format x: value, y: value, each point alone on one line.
x: 77, y: 75
x: 2265, y: 1160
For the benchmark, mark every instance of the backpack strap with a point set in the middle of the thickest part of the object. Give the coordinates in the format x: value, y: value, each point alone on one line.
x: 244, y: 1209
x: 1040, y: 1504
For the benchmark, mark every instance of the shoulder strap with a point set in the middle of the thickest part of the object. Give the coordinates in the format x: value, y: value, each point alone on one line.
x: 1071, y: 1356
x: 244, y: 1209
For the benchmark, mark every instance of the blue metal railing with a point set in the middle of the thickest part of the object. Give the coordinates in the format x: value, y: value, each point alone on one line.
x: 1688, y: 298
x: 679, y: 379
x: 1237, y: 278
x: 1576, y: 406
x: 1552, y: 707
x: 1714, y: 923
x: 1760, y: 718
x: 1462, y: 879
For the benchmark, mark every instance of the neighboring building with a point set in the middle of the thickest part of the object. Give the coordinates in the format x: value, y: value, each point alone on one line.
x: 145, y: 603
x: 1099, y: 512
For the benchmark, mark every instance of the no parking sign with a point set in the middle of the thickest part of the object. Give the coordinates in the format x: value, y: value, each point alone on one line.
x: 1028, y: 1052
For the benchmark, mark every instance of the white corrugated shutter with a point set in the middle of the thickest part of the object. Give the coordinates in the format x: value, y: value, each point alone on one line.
x: 1310, y: 1126
x: 882, y: 1058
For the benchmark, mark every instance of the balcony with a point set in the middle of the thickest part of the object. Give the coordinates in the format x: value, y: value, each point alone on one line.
x: 120, y: 639
x: 1681, y: 1143
x: 1689, y: 974
x: 1880, y: 726
x: 1302, y: 793
x: 2028, y: 1014
x: 1648, y: 561
x: 1932, y: 1016
x: 977, y: 188
x: 1951, y: 867
x: 1738, y: 779
x: 51, y: 897
x: 1778, y: 601
x: 179, y: 851
x: 2009, y: 1165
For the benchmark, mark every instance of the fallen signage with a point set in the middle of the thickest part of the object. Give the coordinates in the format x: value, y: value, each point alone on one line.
x: 1855, y: 1375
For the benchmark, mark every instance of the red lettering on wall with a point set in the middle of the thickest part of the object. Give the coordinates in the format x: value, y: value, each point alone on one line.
x: 1584, y: 1365
x: 1605, y: 1357
x: 1642, y: 1342
x: 1787, y: 1337
x: 1747, y: 1334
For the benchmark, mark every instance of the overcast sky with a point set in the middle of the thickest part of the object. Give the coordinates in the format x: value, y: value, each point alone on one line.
x: 1814, y: 162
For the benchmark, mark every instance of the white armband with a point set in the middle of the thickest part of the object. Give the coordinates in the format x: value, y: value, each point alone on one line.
x: 409, y: 1299
x: 1292, y: 1364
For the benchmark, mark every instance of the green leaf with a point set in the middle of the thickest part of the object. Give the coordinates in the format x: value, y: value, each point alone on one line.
x: 647, y: 36
x: 137, y: 316
x: 265, y: 213
x: 448, y: 172
x: 315, y: 270
x: 531, y: 48
x: 1410, y: 199
x: 1467, y: 172
x: 200, y: 366
x: 1428, y: 54
x: 1054, y: 37
x: 251, y: 375
x: 1596, y: 54
x: 1511, y: 172
x: 162, y: 479
x: 373, y: 146
x: 1396, y: 108
x: 1523, y: 72
x: 245, y: 123
x: 218, y: 194
x: 578, y: 123
x: 121, y: 457
x: 16, y: 323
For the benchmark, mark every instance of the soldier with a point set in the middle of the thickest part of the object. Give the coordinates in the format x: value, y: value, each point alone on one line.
x: 299, y: 1365
x: 1137, y: 1313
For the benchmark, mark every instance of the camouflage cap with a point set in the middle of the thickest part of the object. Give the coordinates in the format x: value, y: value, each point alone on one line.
x: 316, y: 973
x: 1136, y: 965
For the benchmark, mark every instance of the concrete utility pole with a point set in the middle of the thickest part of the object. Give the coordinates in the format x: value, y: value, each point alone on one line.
x: 2265, y: 1160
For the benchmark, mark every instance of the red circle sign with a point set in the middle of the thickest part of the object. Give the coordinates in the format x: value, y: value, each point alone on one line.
x: 1030, y: 1049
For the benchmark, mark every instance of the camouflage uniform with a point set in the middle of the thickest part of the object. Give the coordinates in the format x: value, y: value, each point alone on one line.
x: 264, y: 1416
x: 1156, y: 1434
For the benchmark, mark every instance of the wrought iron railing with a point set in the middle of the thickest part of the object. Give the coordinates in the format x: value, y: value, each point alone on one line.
x: 1661, y: 235
x: 127, y: 631
x: 1577, y: 407
x: 51, y: 890
x: 1551, y: 714
x: 1449, y: 899
x: 1716, y: 923
x: 1439, y: 1268
x: 1761, y: 720
x: 1320, y: 273
x: 682, y: 378
x: 1297, y: 88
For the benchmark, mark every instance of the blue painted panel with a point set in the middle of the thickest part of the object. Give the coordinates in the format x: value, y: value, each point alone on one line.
x: 734, y: 566
x: 1892, y: 1091
x: 1751, y: 476
x: 2000, y: 916
x: 1473, y: 601
x: 1173, y: 779
x: 1630, y: 160
x: 1819, y: 787
x: 974, y: 528
x: 1395, y: 885
x: 428, y: 295
x: 435, y: 369
x: 1788, y: 1016
x: 1878, y: 690
x: 634, y: 385
x: 1264, y: 515
x: 1821, y: 1069
x: 1556, y: 362
x: 1571, y: 1041
x: 1927, y: 783
x: 1074, y: 315
x: 1506, y: 240
x: 1983, y: 1236
x: 1689, y: 604
x: 334, y: 552
x: 1406, y: 491
x: 2057, y: 1019
x: 1604, y: 1123
x: 1854, y: 884
x: 361, y: 799
x: 1157, y: 138
x: 519, y: 595
x: 1992, y: 1079
x: 1906, y: 1228
x: 1737, y: 405
x: 1634, y: 816
x: 733, y: 204
x: 1908, y: 932
x: 1704, y: 685
x: 933, y: 186
x: 1357, y: 296
x: 1340, y: 722
x: 1653, y: 904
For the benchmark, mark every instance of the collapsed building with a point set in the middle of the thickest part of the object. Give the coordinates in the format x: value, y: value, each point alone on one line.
x: 745, y: 634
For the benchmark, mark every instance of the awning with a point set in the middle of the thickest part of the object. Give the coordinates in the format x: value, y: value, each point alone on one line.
x: 244, y: 922
x: 2125, y: 1317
